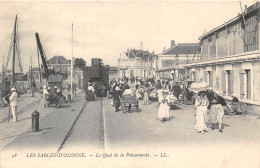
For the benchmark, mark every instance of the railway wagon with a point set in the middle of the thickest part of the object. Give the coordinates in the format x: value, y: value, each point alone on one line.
x: 98, y: 73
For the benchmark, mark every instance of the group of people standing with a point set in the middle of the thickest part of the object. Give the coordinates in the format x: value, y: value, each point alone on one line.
x: 91, y: 91
x: 52, y: 98
x: 181, y: 93
x: 211, y: 104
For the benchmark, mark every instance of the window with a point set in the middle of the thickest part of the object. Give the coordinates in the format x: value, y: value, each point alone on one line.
x: 123, y: 73
x: 193, y: 76
x: 230, y: 82
x: 251, y: 37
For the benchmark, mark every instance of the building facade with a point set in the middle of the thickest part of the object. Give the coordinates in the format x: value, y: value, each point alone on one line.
x: 230, y: 57
x: 137, y: 64
x: 113, y: 73
x: 170, y: 62
x: 59, y: 64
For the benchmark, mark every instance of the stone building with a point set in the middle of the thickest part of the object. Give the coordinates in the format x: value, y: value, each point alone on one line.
x: 170, y: 62
x: 60, y: 65
x: 230, y: 57
x: 137, y: 64
x: 113, y: 73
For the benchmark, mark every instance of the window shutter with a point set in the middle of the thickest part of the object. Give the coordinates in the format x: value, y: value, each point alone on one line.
x: 211, y: 79
x: 241, y: 76
x: 190, y: 75
x: 224, y: 82
x: 249, y: 84
x: 231, y: 82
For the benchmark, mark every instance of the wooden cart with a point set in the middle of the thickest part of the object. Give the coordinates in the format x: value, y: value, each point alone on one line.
x: 128, y: 101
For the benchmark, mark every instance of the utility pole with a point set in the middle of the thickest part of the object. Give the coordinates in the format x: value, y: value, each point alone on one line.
x: 71, y: 66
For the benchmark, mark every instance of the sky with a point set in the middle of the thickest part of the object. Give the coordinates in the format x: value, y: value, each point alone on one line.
x: 106, y: 29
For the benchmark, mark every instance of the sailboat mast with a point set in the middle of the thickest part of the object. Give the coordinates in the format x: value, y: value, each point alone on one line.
x: 13, y: 65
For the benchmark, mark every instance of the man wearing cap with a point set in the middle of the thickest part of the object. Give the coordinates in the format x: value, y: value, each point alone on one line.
x: 13, y: 103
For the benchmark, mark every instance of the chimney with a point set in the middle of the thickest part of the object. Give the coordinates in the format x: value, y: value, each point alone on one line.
x: 172, y: 43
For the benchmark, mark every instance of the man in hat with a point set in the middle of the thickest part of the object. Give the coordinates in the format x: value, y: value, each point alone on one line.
x: 13, y: 103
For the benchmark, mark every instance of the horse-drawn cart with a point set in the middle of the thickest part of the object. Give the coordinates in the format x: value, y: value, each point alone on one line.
x: 128, y: 101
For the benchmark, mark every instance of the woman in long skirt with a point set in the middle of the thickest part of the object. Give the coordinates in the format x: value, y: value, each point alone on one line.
x: 90, y: 93
x: 45, y: 96
x: 146, y: 95
x: 117, y: 94
x: 164, y: 107
x: 201, y: 104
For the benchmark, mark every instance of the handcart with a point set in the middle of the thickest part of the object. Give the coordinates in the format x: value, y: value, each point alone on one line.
x: 128, y: 101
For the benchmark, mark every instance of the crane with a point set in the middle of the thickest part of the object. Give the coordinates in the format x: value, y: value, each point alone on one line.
x: 47, y: 71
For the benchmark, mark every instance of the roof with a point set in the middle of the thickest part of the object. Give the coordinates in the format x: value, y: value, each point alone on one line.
x: 133, y: 53
x: 231, y: 21
x: 182, y: 48
x: 58, y: 60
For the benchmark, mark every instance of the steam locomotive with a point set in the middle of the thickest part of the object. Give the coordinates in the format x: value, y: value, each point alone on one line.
x: 97, y: 73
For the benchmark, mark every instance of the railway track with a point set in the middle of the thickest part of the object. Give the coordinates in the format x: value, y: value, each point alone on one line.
x: 88, y: 129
